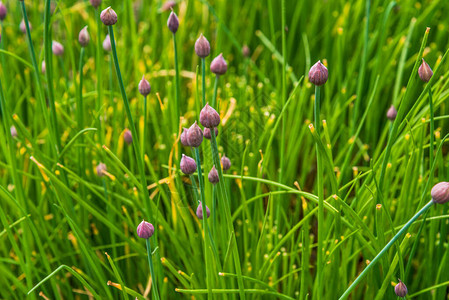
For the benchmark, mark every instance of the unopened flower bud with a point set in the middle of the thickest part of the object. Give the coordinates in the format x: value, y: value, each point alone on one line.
x: 440, y: 192
x: 168, y: 5
x: 400, y: 289
x: 187, y: 165
x: 3, y: 11
x: 392, y: 113
x: 173, y: 22
x: 144, y: 87
x: 13, y: 131
x: 184, y: 139
x: 195, y: 135
x: 206, y: 132
x: 23, y: 27
x: 145, y: 230
x: 101, y: 168
x: 318, y: 74
x: 57, y: 48
x: 199, y: 211
x: 43, y: 67
x: 226, y: 163
x: 95, y: 3
x: 202, y: 47
x: 209, y: 117
x: 84, y: 37
x: 107, y: 43
x: 127, y: 136
x: 108, y: 16
x: 218, y: 65
x: 213, y: 176
x: 424, y: 71
x: 245, y: 51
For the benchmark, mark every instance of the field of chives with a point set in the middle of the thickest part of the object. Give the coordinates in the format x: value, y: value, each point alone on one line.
x: 213, y: 149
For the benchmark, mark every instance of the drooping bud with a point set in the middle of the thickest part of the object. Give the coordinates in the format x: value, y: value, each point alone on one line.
x: 400, y: 289
x: 392, y: 113
x: 218, y: 65
x: 184, y: 139
x: 226, y: 163
x: 108, y: 16
x: 127, y: 136
x: 43, y: 67
x: 424, y: 71
x: 199, y: 211
x: 23, y: 27
x: 195, y: 135
x: 187, y: 165
x: 206, y: 132
x: 13, y: 131
x: 202, y: 47
x: 209, y: 117
x: 245, y: 51
x: 318, y: 74
x: 84, y: 37
x: 440, y: 192
x: 213, y: 176
x: 57, y: 48
x: 173, y: 22
x: 168, y: 5
x: 95, y: 3
x: 145, y: 230
x: 101, y: 168
x: 3, y: 11
x: 107, y: 43
x: 144, y: 87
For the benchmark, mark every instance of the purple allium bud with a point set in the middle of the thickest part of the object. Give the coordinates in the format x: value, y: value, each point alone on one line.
x: 400, y: 289
x: 424, y: 71
x: 318, y: 74
x: 202, y: 47
x: 218, y: 65
x: 101, y: 168
x: 245, y: 51
x: 226, y: 163
x: 187, y: 165
x: 13, y: 131
x: 84, y: 37
x: 144, y: 87
x: 206, y: 132
x: 145, y: 230
x: 168, y: 5
x: 199, y: 211
x: 209, y: 117
x: 195, y: 135
x: 95, y: 3
x: 213, y: 176
x: 127, y: 136
x: 43, y: 67
x: 440, y: 192
x: 23, y: 27
x: 173, y: 22
x: 57, y: 48
x: 108, y: 16
x: 107, y: 43
x: 3, y: 11
x: 392, y: 113
x: 184, y: 139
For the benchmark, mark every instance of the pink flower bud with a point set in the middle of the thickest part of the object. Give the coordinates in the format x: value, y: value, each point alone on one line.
x: 213, y: 176
x: 440, y: 192
x: 127, y: 136
x: 195, y: 135
x: 43, y: 67
x: 173, y: 22
x: 23, y: 27
x: 226, y: 163
x: 219, y: 65
x: 145, y: 230
x: 107, y: 43
x: 108, y: 16
x: 168, y: 5
x: 187, y: 165
x: 84, y: 37
x: 206, y: 132
x: 400, y: 289
x: 184, y: 139
x: 101, y: 168
x: 95, y: 3
x: 144, y: 87
x: 392, y: 113
x: 318, y: 74
x: 3, y: 11
x: 13, y: 131
x: 245, y: 51
x: 209, y: 117
x: 57, y: 48
x: 424, y: 71
x: 199, y: 211
x: 202, y: 47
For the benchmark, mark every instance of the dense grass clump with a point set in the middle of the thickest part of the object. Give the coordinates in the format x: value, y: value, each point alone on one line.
x: 208, y: 149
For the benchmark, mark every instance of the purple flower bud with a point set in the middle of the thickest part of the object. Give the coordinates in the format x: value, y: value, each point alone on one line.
x: 199, y: 211
x: 184, y: 139
x: 173, y: 22
x: 318, y: 74
x: 144, y: 87
x: 84, y: 37
x: 43, y: 67
x: 206, y: 132
x: 202, y: 47
x: 3, y: 11
x: 95, y: 3
x: 145, y: 230
x: 101, y: 168
x: 195, y: 135
x: 226, y: 163
x: 57, y: 48
x: 424, y: 71
x: 168, y: 5
x: 127, y: 136
x: 440, y: 192
x: 107, y: 43
x: 23, y: 27
x: 108, y: 16
x: 245, y: 51
x: 392, y: 113
x: 13, y: 131
x: 400, y: 289
x: 218, y: 65
x: 187, y: 165
x: 209, y: 117
x: 213, y: 176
